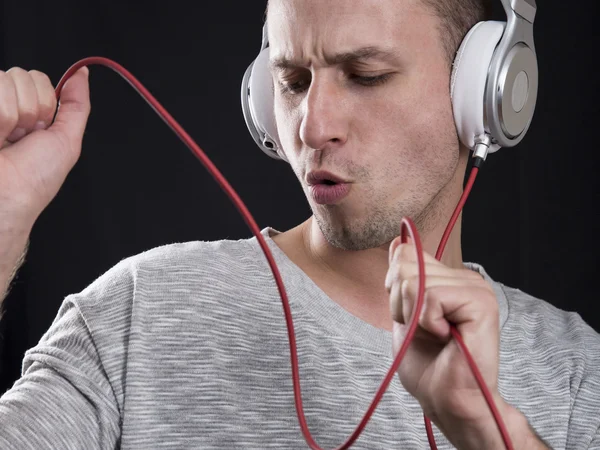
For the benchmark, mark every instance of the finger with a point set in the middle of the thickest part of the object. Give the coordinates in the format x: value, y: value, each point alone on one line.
x: 73, y: 111
x: 396, y: 302
x: 469, y: 308
x: 408, y: 252
x: 405, y: 297
x: 461, y: 306
x: 394, y: 245
x: 433, y: 344
x: 432, y: 317
x: 9, y: 113
x: 46, y: 99
x: 400, y: 270
x: 398, y: 316
x: 27, y: 103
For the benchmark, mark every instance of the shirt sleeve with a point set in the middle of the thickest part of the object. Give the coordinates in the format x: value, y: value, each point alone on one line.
x: 584, y: 424
x: 63, y: 399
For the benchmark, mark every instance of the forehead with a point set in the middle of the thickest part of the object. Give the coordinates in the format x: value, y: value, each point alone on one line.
x: 311, y: 28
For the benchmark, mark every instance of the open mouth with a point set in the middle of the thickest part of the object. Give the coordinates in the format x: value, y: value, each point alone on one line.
x: 323, y: 178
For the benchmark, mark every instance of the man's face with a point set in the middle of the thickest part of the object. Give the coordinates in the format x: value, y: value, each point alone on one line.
x: 379, y: 118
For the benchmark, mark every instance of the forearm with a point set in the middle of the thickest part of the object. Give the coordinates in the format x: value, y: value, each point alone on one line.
x: 521, y: 434
x: 13, y: 248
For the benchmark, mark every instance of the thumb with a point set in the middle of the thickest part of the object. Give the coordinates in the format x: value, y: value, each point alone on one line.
x: 73, y: 110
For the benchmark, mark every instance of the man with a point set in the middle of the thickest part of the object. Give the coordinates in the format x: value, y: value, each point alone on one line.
x: 185, y: 346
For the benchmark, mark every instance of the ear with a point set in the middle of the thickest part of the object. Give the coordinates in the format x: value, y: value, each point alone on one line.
x: 469, y: 80
x: 258, y: 106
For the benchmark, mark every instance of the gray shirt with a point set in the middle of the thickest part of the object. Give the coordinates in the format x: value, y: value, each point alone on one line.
x: 185, y: 346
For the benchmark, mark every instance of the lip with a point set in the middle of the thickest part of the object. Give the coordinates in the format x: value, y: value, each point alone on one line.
x: 316, y: 177
x: 325, y: 194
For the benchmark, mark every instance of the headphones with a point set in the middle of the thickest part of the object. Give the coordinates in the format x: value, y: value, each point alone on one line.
x: 493, y: 86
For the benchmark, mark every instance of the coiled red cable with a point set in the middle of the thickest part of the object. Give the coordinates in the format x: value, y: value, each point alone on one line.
x: 407, y: 227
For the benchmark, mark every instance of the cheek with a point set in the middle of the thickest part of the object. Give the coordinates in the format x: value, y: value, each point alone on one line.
x: 419, y: 123
x: 288, y: 123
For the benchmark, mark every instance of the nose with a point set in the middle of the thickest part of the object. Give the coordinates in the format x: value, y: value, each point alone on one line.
x: 325, y: 120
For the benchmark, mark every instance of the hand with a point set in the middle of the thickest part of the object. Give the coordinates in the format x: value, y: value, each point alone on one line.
x: 35, y: 154
x: 434, y: 370
x: 35, y: 157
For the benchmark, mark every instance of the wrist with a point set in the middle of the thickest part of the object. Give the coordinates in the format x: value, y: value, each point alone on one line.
x: 487, y: 434
x: 521, y: 434
x: 13, y: 246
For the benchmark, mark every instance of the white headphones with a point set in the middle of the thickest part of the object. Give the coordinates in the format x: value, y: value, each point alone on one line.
x: 493, y: 86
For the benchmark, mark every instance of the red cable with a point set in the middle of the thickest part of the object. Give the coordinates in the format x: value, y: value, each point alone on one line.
x: 407, y: 226
x: 456, y: 335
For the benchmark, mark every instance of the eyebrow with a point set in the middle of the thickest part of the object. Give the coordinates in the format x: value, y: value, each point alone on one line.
x: 361, y: 54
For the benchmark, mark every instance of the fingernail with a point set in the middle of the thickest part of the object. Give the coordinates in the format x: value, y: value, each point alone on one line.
x: 39, y: 125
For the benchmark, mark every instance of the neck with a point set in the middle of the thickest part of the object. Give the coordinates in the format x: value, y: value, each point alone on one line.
x: 355, y: 279
x: 368, y: 267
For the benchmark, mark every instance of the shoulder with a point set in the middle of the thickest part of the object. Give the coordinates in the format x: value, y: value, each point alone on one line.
x: 539, y: 335
x: 546, y: 322
x: 557, y: 353
x: 532, y: 319
x: 175, y: 266
x: 196, y: 254
x: 554, y: 343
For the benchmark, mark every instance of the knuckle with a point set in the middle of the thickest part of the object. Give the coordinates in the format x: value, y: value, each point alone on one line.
x: 402, y: 253
x: 493, y: 301
x: 472, y: 275
x: 17, y: 71
x: 402, y: 272
x: 43, y: 85
x: 28, y: 114
x: 489, y: 297
x: 47, y: 104
x: 429, y: 304
x: 433, y: 295
x: 9, y: 115
x: 26, y: 99
x: 406, y: 251
x: 406, y: 270
x: 429, y: 300
x: 412, y: 283
x: 41, y: 76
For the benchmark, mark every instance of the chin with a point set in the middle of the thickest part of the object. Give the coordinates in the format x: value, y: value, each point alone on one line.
x: 358, y: 234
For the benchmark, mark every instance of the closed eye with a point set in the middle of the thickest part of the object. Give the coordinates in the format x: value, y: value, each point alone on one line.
x: 301, y: 85
x: 371, y: 81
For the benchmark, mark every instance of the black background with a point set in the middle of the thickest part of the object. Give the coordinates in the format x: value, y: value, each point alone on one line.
x: 531, y: 219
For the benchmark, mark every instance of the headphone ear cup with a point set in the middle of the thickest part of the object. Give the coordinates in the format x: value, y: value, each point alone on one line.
x: 258, y: 106
x: 469, y: 80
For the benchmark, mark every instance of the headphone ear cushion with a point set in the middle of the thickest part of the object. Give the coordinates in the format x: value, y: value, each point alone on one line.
x: 261, y: 104
x: 469, y: 80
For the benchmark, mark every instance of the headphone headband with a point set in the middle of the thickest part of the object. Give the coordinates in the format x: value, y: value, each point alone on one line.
x: 524, y: 8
